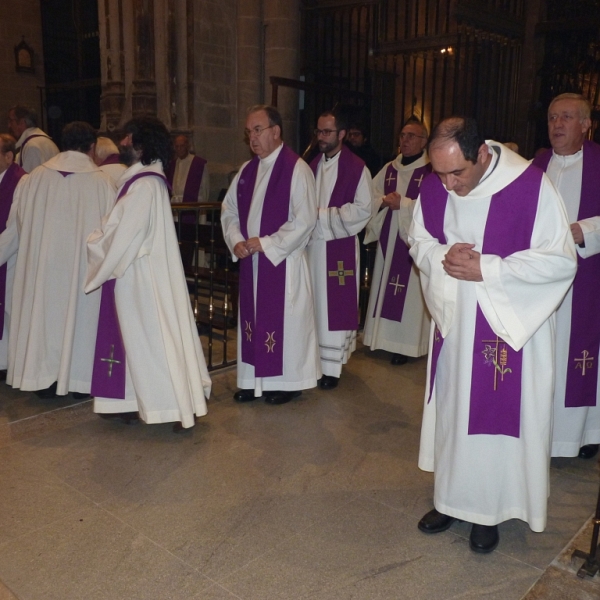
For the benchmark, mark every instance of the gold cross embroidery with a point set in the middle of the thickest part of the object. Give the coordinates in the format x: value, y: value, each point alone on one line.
x: 110, y: 360
x: 585, y: 362
x: 341, y: 274
x: 395, y: 283
x: 491, y: 355
x: 248, y: 331
x: 419, y: 179
x: 270, y: 343
x: 390, y: 179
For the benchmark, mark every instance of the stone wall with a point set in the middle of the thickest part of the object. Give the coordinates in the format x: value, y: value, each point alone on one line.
x: 18, y: 19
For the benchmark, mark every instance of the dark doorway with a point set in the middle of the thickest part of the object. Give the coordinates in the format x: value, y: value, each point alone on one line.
x: 72, y: 64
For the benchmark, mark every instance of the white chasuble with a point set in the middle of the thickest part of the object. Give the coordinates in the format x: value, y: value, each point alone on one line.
x: 301, y: 368
x: 411, y: 335
x: 488, y: 479
x: 166, y: 375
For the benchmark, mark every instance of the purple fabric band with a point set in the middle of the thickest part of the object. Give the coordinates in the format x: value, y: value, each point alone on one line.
x: 111, y: 159
x: 496, y: 373
x: 434, y: 198
x: 401, y: 265
x: 262, y: 326
x: 36, y: 135
x: 192, y: 184
x: 108, y: 376
x: 584, y: 340
x: 495, y: 401
x: 11, y: 178
x: 340, y: 263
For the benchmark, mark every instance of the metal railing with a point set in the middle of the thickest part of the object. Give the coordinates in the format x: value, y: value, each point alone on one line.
x: 212, y: 279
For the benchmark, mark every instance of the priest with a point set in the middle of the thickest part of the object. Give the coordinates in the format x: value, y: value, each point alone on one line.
x: 108, y: 160
x: 148, y: 359
x: 34, y: 146
x: 187, y: 173
x: 491, y: 239
x: 53, y: 323
x: 268, y: 215
x: 573, y: 165
x: 397, y: 319
x: 10, y: 175
x: 343, y: 185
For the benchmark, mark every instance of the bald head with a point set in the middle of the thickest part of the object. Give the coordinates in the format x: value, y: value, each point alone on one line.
x: 181, y: 146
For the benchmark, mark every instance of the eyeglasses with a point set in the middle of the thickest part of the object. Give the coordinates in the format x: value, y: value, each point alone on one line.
x: 324, y: 132
x: 410, y: 136
x: 257, y: 131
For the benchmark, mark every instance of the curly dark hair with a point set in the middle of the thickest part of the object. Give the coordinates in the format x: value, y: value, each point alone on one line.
x: 78, y: 136
x: 150, y: 136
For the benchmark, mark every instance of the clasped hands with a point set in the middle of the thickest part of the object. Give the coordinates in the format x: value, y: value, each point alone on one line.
x: 462, y: 262
x: 392, y: 200
x: 247, y: 248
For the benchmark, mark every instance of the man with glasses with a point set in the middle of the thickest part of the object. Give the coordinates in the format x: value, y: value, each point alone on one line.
x: 397, y: 320
x: 268, y: 214
x: 34, y: 146
x: 344, y: 200
x: 573, y: 165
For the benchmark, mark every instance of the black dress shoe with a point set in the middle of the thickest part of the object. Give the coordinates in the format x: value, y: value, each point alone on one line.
x: 484, y: 538
x: 2, y: 374
x: 244, y: 396
x: 328, y: 382
x: 49, y: 392
x: 280, y: 397
x: 435, y: 522
x: 588, y: 451
x: 399, y: 359
x: 129, y: 418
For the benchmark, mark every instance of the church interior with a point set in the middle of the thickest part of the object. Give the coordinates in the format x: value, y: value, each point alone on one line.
x: 318, y: 498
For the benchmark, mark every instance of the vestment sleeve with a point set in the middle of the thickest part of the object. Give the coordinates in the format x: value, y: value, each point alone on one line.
x: 518, y: 293
x: 591, y: 237
x: 204, y: 192
x: 125, y: 235
x: 294, y: 234
x: 348, y: 220
x: 439, y: 289
x: 230, y: 219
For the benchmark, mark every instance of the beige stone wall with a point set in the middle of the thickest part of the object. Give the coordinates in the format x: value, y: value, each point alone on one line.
x: 17, y: 19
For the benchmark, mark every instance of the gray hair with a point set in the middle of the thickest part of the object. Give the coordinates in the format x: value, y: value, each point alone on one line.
x: 585, y: 108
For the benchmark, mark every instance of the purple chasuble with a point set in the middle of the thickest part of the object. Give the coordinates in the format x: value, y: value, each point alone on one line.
x: 342, y: 275
x: 495, y: 402
x: 108, y: 376
x: 111, y: 159
x: 584, y: 341
x: 12, y: 176
x: 25, y: 144
x: 262, y: 325
x: 395, y: 291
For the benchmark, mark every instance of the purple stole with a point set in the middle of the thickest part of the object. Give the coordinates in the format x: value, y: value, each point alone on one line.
x: 401, y: 265
x: 35, y: 135
x: 495, y: 402
x: 111, y: 159
x: 8, y: 185
x: 108, y: 376
x: 342, y: 280
x: 584, y: 341
x: 262, y: 325
x: 192, y: 184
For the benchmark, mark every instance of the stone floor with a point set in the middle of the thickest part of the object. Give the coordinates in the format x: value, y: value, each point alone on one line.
x: 315, y: 499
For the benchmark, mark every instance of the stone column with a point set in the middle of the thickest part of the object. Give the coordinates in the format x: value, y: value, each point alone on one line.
x: 282, y: 39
